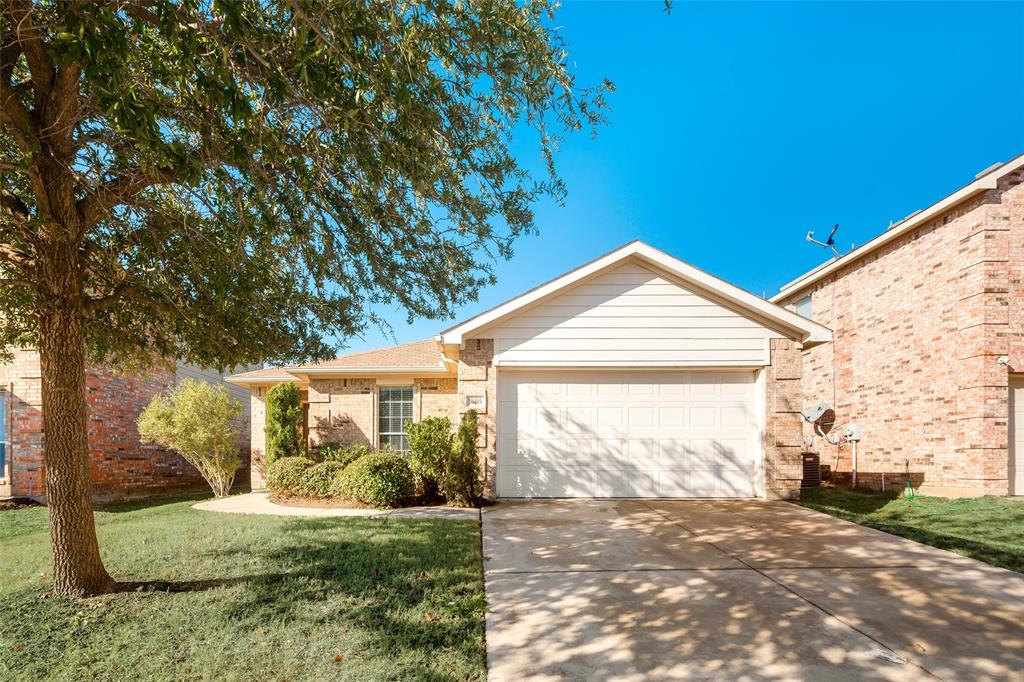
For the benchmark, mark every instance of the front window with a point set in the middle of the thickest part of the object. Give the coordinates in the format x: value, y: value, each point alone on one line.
x: 395, y: 411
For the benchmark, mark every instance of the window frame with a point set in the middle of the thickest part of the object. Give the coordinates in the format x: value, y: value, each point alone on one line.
x: 808, y: 302
x: 384, y: 437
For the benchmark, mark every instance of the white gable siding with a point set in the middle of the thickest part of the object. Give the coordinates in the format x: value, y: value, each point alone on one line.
x: 630, y: 316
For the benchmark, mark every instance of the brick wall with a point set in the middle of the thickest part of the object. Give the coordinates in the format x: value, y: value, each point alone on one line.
x: 21, y: 380
x: 436, y: 398
x: 258, y: 438
x: 917, y: 327
x: 783, y: 432
x: 342, y: 411
x: 120, y: 466
x: 477, y: 376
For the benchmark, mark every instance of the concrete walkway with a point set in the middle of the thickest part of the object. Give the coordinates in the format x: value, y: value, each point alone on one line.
x: 658, y: 590
x: 259, y: 503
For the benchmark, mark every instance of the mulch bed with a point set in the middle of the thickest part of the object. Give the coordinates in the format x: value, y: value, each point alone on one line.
x: 317, y: 503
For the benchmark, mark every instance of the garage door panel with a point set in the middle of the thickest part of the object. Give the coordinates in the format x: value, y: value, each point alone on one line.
x: 627, y: 434
x: 618, y: 483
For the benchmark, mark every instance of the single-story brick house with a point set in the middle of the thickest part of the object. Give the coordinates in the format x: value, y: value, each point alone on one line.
x: 121, y: 467
x: 634, y: 375
x: 927, y: 354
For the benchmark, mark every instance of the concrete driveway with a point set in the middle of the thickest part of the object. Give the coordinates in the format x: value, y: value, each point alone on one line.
x: 654, y: 590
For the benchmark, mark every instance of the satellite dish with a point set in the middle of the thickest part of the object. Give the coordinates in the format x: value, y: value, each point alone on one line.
x: 815, y: 413
x: 822, y: 416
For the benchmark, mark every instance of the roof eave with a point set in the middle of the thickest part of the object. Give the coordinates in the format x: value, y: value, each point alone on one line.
x: 807, y: 331
x: 267, y: 379
x: 320, y: 371
x: 983, y: 184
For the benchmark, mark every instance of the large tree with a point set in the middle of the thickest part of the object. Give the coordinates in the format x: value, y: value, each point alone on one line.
x: 236, y: 181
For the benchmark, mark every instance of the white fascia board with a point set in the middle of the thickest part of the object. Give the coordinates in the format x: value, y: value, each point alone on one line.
x: 266, y: 379
x: 982, y: 184
x: 809, y: 332
x: 689, y: 365
x: 418, y: 371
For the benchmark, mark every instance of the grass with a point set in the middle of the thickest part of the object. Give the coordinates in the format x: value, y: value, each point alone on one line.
x: 989, y: 529
x: 250, y: 598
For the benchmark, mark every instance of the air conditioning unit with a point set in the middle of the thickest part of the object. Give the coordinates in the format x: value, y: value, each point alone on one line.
x: 812, y: 470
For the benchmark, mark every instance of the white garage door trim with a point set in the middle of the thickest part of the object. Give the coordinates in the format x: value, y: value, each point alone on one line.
x: 685, y: 421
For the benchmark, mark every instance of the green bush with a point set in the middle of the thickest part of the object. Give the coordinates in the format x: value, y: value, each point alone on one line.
x: 200, y: 421
x: 284, y: 411
x: 317, y: 479
x: 335, y: 452
x: 430, y: 447
x: 382, y: 479
x: 462, y: 473
x: 285, y: 475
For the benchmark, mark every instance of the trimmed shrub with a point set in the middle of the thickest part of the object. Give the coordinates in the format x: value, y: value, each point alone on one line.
x: 284, y: 410
x: 335, y: 452
x: 285, y: 475
x: 430, y: 445
x: 382, y: 479
x: 462, y: 473
x: 317, y: 479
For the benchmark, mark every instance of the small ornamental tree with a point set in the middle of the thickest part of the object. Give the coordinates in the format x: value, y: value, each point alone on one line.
x: 283, y: 414
x: 201, y: 422
x: 235, y: 182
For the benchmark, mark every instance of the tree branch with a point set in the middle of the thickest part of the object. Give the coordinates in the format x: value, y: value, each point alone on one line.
x: 11, y: 255
x: 125, y: 292
x: 15, y: 282
x: 117, y: 191
x: 29, y: 37
x: 14, y: 206
x: 13, y: 114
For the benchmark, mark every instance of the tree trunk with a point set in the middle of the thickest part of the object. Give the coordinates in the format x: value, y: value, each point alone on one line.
x: 77, y: 567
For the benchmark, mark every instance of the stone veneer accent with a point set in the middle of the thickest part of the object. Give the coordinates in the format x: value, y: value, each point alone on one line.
x: 477, y: 376
x: 258, y: 442
x: 783, y: 432
x: 918, y: 325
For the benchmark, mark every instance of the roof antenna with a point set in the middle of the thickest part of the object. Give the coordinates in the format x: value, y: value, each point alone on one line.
x: 829, y: 243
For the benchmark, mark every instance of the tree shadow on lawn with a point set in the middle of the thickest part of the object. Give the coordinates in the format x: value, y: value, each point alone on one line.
x: 405, y: 589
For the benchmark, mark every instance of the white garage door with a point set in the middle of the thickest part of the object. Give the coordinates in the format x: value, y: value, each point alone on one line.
x: 627, y: 434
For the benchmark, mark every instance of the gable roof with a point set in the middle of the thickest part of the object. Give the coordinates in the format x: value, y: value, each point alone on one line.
x: 984, y: 181
x: 418, y: 357
x: 804, y: 330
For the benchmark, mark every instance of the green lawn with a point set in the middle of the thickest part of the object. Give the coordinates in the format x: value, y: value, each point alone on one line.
x: 252, y: 598
x: 989, y: 529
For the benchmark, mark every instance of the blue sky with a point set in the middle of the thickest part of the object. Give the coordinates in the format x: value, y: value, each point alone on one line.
x: 736, y: 127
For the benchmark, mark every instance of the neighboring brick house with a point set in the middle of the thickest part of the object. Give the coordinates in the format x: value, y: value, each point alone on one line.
x: 120, y: 466
x: 928, y: 343
x: 634, y: 375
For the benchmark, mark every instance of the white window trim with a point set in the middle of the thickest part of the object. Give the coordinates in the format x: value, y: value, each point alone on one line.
x: 377, y: 402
